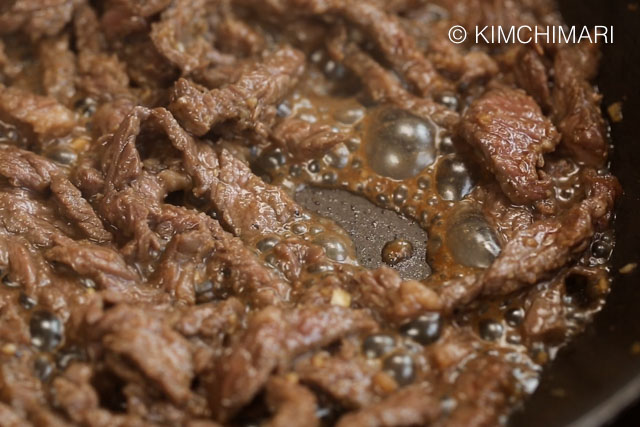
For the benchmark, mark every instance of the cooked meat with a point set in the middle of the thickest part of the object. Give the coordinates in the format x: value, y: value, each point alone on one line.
x: 512, y: 134
x: 159, y: 266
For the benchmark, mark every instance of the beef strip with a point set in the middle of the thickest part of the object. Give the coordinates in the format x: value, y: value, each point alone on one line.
x: 76, y: 208
x: 132, y: 335
x: 37, y: 18
x: 250, y: 102
x: 272, y: 339
x: 304, y: 140
x: 188, y: 285
x: 540, y: 249
x: 532, y: 75
x: 40, y: 118
x: 293, y: 404
x: 183, y: 36
x: 509, y: 130
x: 59, y: 69
x: 382, y: 86
x: 576, y: 104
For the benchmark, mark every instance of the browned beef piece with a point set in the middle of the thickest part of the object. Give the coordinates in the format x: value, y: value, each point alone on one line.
x: 40, y: 118
x: 211, y: 319
x: 532, y: 76
x: 348, y: 378
x: 576, y: 104
x: 23, y: 168
x: 79, y: 400
x: 481, y: 392
x: 273, y: 337
x: 293, y: 404
x: 537, y: 251
x: 110, y: 114
x: 548, y: 244
x: 37, y: 18
x: 183, y: 36
x: 397, y: 300
x: 139, y: 341
x: 76, y: 208
x: 31, y: 217
x: 250, y: 102
x: 102, y: 264
x: 58, y: 68
x: 176, y: 272
x: 248, y: 205
x: 399, y: 48
x: 507, y: 127
x: 304, y: 140
x: 383, y: 87
x: 546, y: 317
x: 238, y: 37
x: 412, y: 405
x: 100, y: 74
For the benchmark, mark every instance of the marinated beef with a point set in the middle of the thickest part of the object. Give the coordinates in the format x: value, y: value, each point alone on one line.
x: 512, y: 134
x: 157, y: 266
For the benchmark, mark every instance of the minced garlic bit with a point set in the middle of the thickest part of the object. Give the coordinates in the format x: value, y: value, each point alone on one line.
x: 341, y: 298
x: 9, y: 349
x: 629, y: 268
x: 615, y: 112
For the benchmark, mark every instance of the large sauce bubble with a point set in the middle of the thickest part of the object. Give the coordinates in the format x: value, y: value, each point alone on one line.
x: 471, y: 240
x: 399, y: 145
x: 453, y: 179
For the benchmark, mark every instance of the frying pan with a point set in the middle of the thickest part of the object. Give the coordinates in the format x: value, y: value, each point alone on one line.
x: 597, y: 374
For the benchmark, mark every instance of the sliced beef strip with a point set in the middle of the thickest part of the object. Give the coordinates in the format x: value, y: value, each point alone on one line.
x: 58, y: 68
x: 176, y: 272
x: 100, y: 74
x: 484, y: 383
x: 412, y: 405
x: 79, y: 400
x: 37, y: 18
x: 183, y: 36
x: 139, y: 340
x: 304, y: 140
x: 397, y: 46
x: 273, y: 337
x: 78, y: 209
x: 397, y: 300
x: 548, y: 244
x: 40, y: 118
x: 540, y: 249
x: 532, y: 75
x: 102, y: 264
x: 347, y: 378
x: 383, y: 87
x: 31, y: 218
x: 211, y: 319
x: 507, y: 127
x: 250, y: 102
x: 576, y: 104
x: 292, y: 403
x: 26, y: 169
x: 248, y: 205
x: 239, y: 37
